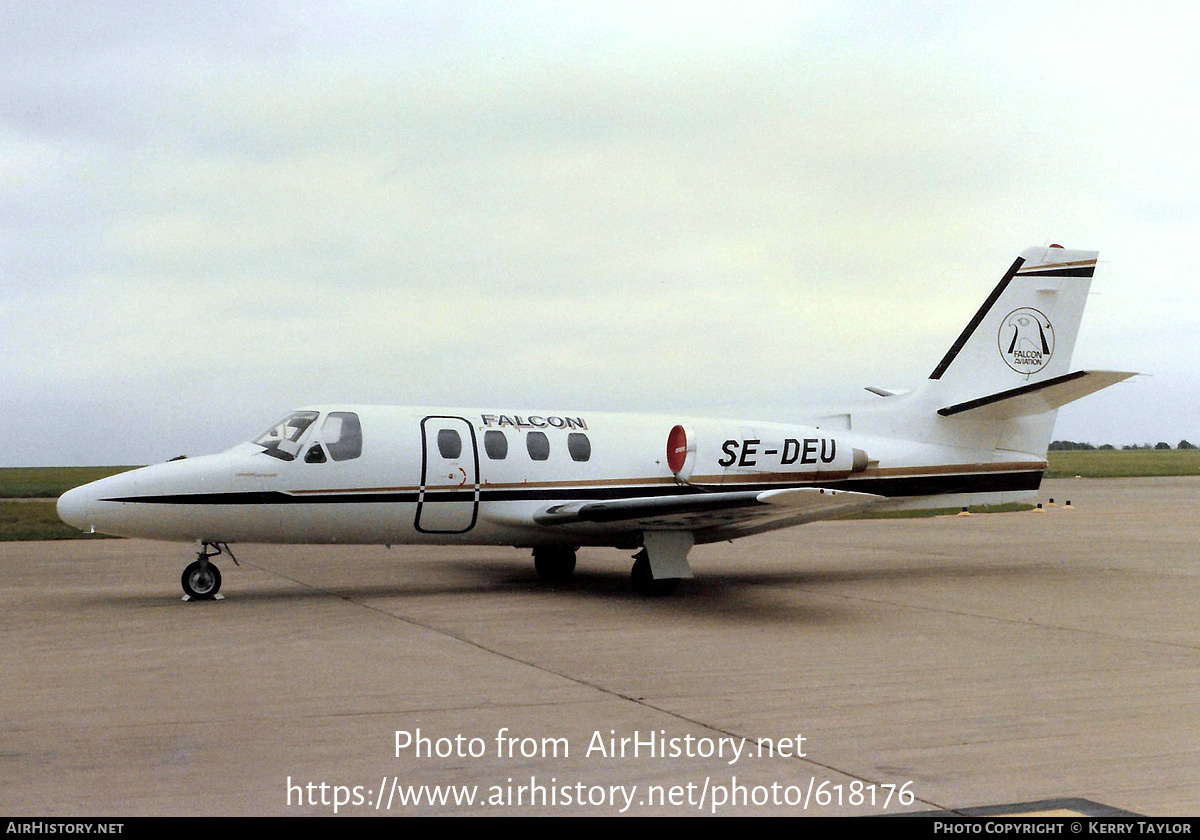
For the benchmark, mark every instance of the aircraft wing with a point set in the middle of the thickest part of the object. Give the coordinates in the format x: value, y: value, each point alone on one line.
x: 719, y: 514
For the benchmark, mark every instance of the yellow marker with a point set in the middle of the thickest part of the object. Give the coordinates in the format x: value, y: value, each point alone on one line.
x: 963, y: 512
x: 1039, y: 508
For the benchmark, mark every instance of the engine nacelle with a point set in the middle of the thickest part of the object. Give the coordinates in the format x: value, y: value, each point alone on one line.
x: 783, y: 451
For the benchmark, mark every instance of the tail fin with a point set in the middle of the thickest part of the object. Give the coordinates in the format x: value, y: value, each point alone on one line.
x: 1001, y: 382
x: 1025, y: 330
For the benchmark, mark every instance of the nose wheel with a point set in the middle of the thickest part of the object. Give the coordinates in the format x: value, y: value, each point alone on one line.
x: 202, y: 579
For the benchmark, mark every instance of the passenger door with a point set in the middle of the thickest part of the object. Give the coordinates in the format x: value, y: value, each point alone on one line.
x: 448, y: 502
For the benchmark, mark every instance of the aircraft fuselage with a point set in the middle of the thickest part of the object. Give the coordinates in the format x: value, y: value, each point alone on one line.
x: 482, y: 476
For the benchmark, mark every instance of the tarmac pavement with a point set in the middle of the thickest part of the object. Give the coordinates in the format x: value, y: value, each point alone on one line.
x: 938, y: 664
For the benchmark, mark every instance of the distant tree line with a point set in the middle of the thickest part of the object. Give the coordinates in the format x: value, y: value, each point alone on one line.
x: 1059, y: 445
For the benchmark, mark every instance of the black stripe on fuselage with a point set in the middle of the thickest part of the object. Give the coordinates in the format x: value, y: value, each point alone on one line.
x: 894, y: 487
x: 275, y: 497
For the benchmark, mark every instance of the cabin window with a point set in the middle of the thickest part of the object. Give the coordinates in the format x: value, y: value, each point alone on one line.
x: 315, y: 455
x: 342, y: 434
x: 579, y: 446
x: 495, y: 444
x: 538, y: 445
x: 449, y: 444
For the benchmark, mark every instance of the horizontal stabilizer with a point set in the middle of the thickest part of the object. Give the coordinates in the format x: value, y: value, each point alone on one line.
x: 1037, y: 397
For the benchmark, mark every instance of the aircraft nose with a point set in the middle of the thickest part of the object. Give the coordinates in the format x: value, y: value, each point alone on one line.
x: 74, y: 507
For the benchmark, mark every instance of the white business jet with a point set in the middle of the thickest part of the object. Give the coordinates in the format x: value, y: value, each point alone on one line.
x: 975, y: 432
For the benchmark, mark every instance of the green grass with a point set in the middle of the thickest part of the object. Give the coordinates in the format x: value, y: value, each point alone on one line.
x: 35, y: 517
x: 1123, y: 463
x: 48, y: 482
x: 36, y: 520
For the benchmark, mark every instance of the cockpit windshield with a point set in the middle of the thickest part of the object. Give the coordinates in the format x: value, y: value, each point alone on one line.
x: 282, y: 439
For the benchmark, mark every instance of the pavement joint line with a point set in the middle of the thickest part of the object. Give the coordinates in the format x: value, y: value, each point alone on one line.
x: 640, y: 701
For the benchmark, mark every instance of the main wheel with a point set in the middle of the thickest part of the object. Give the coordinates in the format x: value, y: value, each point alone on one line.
x: 644, y: 582
x: 554, y: 563
x: 201, y: 582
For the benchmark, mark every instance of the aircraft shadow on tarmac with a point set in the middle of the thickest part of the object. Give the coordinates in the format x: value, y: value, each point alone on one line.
x: 754, y: 594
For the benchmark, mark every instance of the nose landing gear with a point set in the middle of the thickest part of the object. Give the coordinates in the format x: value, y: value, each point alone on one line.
x: 202, y: 579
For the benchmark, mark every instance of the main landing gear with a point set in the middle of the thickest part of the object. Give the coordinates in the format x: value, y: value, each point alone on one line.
x: 662, y: 562
x: 644, y: 582
x: 202, y: 579
x: 554, y: 563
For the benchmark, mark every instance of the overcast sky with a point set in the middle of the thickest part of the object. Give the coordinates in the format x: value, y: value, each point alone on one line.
x: 211, y: 213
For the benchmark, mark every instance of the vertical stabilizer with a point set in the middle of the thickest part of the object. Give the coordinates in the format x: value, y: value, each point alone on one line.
x: 1001, y: 381
x: 1025, y: 331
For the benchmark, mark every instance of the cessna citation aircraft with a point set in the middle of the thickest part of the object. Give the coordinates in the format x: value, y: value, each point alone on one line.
x: 975, y: 432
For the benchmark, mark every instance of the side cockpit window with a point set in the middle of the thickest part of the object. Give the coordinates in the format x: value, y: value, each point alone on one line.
x: 282, y: 440
x: 342, y: 435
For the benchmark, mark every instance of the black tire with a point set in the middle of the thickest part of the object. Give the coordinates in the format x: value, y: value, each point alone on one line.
x: 554, y: 564
x: 201, y: 584
x: 644, y: 582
